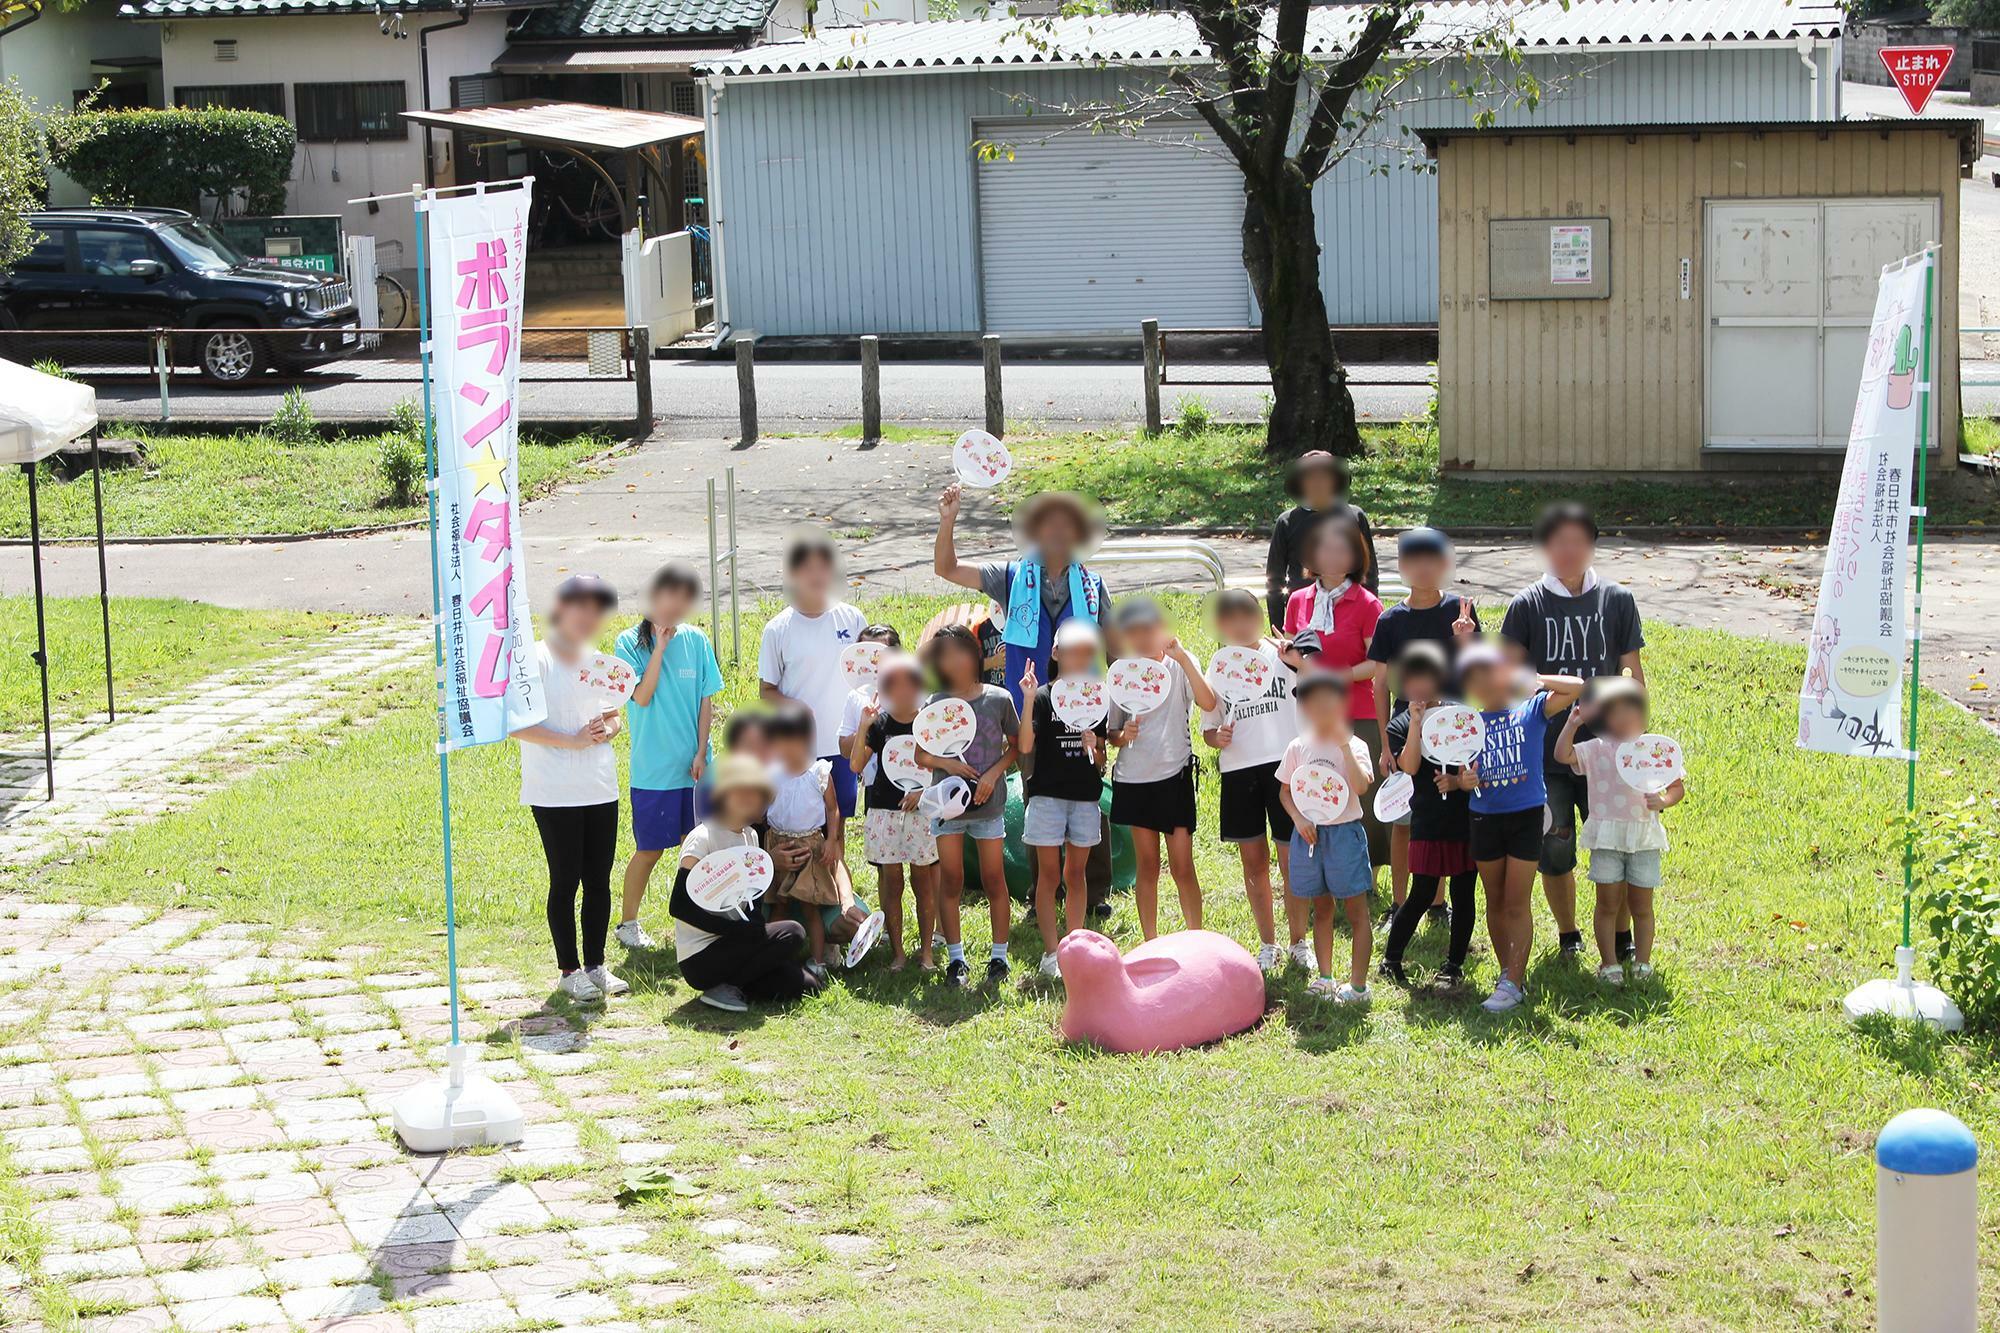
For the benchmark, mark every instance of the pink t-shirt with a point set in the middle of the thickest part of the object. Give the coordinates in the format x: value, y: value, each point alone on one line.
x: 1619, y: 819
x: 1305, y: 750
x: 1346, y: 644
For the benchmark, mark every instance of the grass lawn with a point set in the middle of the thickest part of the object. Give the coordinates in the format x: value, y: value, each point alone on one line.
x: 248, y: 483
x: 1689, y: 1155
x: 1220, y: 477
x: 157, y: 645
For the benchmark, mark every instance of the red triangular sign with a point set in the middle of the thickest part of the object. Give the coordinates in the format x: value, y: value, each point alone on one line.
x: 1916, y: 71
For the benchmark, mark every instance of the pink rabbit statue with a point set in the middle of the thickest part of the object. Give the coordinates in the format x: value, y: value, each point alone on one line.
x: 1182, y: 989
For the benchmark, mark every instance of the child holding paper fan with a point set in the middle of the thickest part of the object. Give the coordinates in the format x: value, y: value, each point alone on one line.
x: 958, y: 666
x: 894, y: 833
x: 863, y: 696
x: 569, y: 782
x: 805, y: 818
x: 1152, y: 783
x: 1329, y: 861
x: 1440, y: 848
x: 1623, y: 832
x: 734, y: 959
x: 670, y: 713
x: 1250, y: 738
x: 1062, y: 822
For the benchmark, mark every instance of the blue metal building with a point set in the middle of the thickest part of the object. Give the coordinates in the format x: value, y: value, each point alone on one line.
x: 847, y: 197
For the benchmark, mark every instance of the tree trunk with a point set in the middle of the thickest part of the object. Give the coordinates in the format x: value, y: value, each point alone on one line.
x: 1311, y: 407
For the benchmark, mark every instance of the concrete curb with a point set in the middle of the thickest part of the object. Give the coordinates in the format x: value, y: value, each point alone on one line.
x: 1492, y: 532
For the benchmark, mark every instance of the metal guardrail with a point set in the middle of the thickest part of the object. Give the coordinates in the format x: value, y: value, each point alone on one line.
x: 717, y: 557
x: 1181, y: 361
x: 1163, y: 551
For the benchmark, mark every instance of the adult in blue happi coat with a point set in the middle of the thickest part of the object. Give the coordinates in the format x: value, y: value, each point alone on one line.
x: 1045, y: 585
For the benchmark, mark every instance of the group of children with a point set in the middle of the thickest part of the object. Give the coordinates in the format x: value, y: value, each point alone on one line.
x: 1350, y: 686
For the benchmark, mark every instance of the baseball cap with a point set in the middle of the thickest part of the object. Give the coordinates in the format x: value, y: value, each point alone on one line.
x: 1306, y: 643
x: 587, y: 587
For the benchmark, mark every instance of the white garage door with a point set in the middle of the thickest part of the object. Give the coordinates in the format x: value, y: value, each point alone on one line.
x: 1791, y: 289
x: 1091, y: 233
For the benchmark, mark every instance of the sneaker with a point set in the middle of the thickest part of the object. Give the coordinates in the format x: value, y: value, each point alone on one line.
x: 957, y: 973
x: 1100, y: 911
x: 1448, y: 981
x: 1505, y: 996
x: 1611, y: 974
x: 1347, y: 994
x: 1438, y: 914
x: 938, y: 944
x: 1627, y: 950
x: 1642, y: 971
x: 1388, y: 920
x: 996, y: 971
x: 1393, y: 969
x: 726, y: 998
x: 1302, y: 955
x: 579, y: 987
x: 1050, y: 968
x: 633, y: 936
x: 1572, y: 944
x: 1324, y: 987
x: 1269, y: 959
x: 601, y: 977
x: 817, y: 971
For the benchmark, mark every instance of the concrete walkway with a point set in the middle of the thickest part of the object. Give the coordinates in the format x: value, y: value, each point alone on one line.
x: 881, y: 501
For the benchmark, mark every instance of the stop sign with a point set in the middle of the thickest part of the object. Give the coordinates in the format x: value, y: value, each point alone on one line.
x: 1917, y: 72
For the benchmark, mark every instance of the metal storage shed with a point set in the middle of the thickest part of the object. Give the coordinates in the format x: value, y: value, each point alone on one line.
x: 845, y: 195
x: 1687, y: 299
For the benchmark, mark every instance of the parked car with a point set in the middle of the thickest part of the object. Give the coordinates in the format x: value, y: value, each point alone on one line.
x: 155, y: 268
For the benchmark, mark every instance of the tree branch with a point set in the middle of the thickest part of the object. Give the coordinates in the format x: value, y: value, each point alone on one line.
x: 1384, y: 26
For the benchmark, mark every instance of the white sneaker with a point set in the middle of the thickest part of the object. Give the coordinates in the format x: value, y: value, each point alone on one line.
x: 938, y: 941
x: 1642, y: 971
x: 1347, y: 994
x: 1269, y: 958
x: 600, y: 976
x: 1505, y: 996
x: 1324, y: 987
x: 1302, y: 954
x: 1050, y: 968
x: 1611, y: 974
x: 579, y: 987
x: 633, y: 936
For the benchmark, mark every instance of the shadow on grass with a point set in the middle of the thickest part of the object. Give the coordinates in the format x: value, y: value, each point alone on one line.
x: 1947, y: 1059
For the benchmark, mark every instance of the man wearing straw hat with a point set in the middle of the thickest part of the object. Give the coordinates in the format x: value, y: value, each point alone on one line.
x: 1045, y: 586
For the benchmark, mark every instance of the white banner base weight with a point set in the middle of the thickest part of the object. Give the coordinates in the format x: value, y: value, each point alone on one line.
x: 1904, y: 997
x: 460, y: 1110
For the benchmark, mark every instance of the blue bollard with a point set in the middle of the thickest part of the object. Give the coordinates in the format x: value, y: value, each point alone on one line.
x: 1927, y: 1225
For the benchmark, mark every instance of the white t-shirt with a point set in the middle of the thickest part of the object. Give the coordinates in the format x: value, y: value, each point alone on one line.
x: 1305, y: 750
x: 1162, y: 748
x: 554, y: 777
x: 800, y: 655
x: 1262, y: 728
x: 707, y: 837
x: 800, y: 803
x: 850, y: 722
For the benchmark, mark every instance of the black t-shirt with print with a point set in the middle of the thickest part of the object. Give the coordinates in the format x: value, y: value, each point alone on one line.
x: 882, y: 793
x: 1435, y: 816
x: 1573, y: 636
x: 1062, y: 768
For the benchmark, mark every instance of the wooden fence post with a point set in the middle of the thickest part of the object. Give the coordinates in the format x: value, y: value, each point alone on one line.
x: 746, y: 387
x: 996, y: 413
x: 1149, y: 338
x: 642, y: 380
x: 871, y: 389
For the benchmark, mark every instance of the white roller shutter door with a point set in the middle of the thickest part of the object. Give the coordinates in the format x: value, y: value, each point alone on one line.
x: 1091, y: 233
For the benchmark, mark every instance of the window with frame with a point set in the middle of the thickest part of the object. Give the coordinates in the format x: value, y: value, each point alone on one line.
x: 49, y: 254
x: 265, y: 97
x: 350, y: 112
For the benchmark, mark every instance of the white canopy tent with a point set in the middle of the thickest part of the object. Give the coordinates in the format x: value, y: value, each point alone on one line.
x: 39, y: 415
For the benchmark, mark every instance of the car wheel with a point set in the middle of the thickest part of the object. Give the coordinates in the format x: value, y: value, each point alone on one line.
x: 230, y: 357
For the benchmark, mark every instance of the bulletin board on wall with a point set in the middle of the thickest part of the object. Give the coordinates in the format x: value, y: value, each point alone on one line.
x: 1548, y: 259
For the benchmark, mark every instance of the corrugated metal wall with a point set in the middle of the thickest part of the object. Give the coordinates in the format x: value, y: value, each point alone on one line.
x: 847, y: 204
x: 1617, y: 385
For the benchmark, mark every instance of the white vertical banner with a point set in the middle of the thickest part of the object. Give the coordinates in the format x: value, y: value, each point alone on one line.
x: 1852, y: 699
x: 477, y: 270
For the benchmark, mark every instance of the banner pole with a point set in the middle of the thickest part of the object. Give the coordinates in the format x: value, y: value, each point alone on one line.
x: 437, y: 612
x: 1924, y: 391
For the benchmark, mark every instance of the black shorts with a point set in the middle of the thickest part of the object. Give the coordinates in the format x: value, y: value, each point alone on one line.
x: 1166, y: 806
x: 1250, y: 804
x: 1516, y: 834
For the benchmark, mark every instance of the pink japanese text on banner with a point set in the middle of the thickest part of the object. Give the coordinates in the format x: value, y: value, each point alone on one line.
x: 478, y: 252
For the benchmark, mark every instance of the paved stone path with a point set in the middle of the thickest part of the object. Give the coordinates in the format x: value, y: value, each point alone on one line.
x: 113, y: 774
x: 198, y: 1118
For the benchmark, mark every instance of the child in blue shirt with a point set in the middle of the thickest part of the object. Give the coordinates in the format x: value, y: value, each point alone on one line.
x: 669, y: 715
x: 1508, y: 800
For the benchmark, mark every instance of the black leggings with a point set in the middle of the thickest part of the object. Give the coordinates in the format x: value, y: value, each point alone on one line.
x: 579, y: 842
x: 767, y: 964
x: 1423, y: 892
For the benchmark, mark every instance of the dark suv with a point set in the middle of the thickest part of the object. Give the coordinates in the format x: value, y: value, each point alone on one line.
x: 160, y: 268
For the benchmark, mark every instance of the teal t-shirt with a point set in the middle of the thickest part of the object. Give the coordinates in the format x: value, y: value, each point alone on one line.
x: 666, y: 730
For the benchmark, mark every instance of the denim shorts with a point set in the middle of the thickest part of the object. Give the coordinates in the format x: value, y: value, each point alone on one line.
x: 1639, y: 869
x: 1337, y: 868
x: 1052, y: 821
x: 972, y: 826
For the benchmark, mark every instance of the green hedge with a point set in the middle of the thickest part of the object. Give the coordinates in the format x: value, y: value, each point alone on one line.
x: 170, y: 159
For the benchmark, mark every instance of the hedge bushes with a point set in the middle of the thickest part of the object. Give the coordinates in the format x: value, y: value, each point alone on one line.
x: 170, y: 159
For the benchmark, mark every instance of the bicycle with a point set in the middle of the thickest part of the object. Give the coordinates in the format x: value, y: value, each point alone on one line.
x: 392, y: 298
